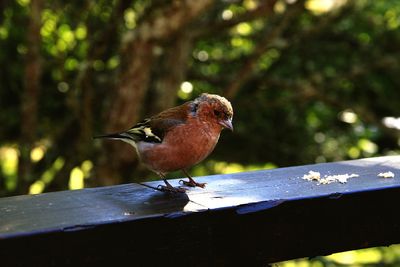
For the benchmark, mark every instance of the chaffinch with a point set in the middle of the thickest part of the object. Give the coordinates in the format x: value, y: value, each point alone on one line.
x: 179, y: 137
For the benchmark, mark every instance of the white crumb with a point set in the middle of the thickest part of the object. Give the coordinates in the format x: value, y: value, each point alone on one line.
x: 386, y: 174
x: 312, y: 176
x: 341, y: 178
x: 327, y: 179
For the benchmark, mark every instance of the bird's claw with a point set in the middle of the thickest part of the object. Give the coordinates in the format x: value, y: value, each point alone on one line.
x: 166, y: 189
x: 192, y: 183
x: 173, y: 190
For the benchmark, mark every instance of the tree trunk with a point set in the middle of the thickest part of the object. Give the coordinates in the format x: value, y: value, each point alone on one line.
x: 30, y: 96
x: 137, y: 56
x: 125, y: 108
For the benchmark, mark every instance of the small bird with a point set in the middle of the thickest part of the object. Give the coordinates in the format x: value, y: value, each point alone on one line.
x: 179, y: 137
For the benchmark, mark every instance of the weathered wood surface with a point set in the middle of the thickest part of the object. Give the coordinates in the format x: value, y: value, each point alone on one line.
x: 250, y: 218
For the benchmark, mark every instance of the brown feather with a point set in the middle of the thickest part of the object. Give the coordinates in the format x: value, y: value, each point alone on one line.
x: 161, y: 123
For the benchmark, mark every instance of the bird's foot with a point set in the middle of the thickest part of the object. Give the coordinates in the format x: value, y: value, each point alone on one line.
x: 192, y: 183
x: 171, y: 189
x: 166, y: 189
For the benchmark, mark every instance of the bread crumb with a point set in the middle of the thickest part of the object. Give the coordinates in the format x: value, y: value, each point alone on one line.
x: 341, y: 178
x: 386, y: 174
x: 311, y: 176
x: 327, y: 179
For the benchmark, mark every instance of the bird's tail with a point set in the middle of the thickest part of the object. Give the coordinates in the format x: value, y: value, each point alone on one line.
x: 140, y: 132
x: 124, y: 136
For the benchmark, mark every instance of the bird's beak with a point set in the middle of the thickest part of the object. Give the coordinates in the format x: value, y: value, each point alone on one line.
x: 227, y: 124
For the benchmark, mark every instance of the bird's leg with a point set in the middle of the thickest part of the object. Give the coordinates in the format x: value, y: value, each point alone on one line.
x: 165, y: 189
x: 169, y: 188
x: 191, y: 182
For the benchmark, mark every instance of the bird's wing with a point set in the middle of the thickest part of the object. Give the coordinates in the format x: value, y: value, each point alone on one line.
x: 155, y: 128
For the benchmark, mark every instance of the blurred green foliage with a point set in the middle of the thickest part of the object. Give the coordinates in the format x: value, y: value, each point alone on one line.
x: 310, y: 81
x: 318, y: 89
x: 383, y: 256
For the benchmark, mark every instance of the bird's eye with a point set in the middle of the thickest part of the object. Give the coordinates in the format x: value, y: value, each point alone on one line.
x: 217, y: 113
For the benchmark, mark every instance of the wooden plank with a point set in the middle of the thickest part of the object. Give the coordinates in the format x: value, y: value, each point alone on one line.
x: 248, y: 218
x: 77, y: 209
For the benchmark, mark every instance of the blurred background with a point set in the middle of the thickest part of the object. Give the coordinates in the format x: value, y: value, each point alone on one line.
x: 310, y: 81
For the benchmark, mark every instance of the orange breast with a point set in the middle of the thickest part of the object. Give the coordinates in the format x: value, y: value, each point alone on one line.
x: 182, y: 147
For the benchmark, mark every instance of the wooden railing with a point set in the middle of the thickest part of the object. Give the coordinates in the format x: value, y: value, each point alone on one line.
x: 242, y: 219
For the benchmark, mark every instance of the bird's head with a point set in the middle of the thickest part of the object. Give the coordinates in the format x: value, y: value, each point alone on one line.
x: 215, y: 108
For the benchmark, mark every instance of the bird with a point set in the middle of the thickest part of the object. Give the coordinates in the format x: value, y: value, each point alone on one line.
x: 179, y: 137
